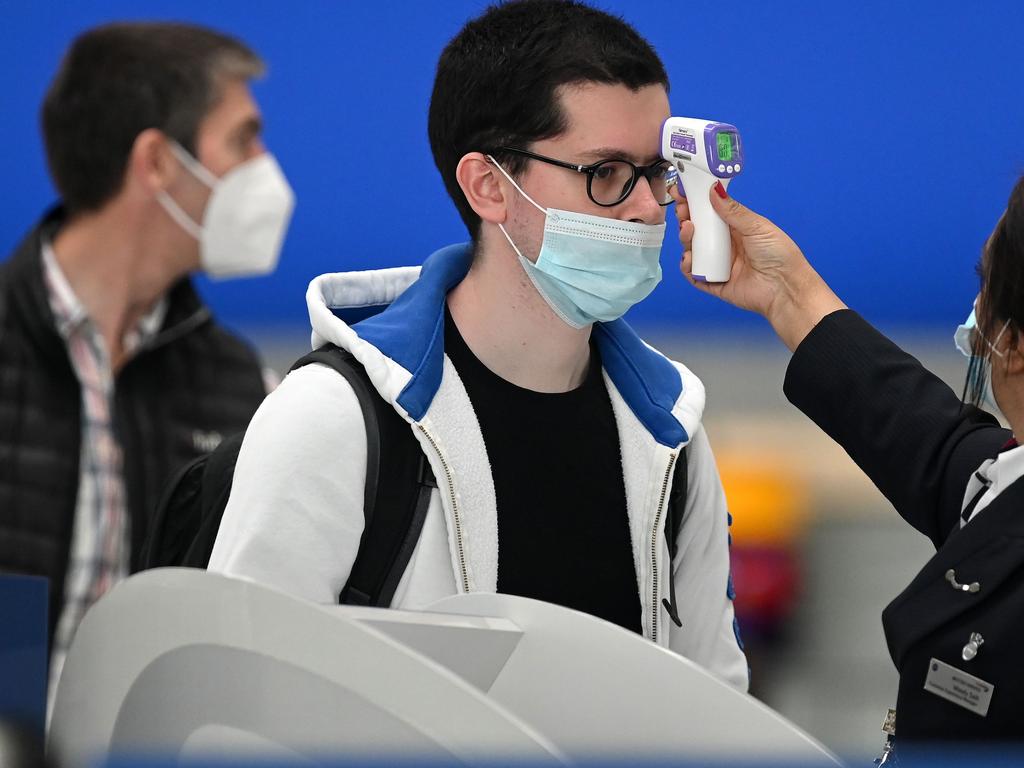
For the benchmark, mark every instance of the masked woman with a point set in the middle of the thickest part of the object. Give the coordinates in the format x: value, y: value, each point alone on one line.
x: 944, y: 463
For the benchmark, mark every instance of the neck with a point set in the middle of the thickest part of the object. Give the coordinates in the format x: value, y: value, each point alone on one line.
x: 512, y: 330
x: 1014, y: 414
x: 115, y: 268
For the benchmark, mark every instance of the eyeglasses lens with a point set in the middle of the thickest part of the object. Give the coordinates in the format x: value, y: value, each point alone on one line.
x: 612, y: 181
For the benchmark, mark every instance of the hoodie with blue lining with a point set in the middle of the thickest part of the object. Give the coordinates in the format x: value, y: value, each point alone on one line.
x: 295, y: 516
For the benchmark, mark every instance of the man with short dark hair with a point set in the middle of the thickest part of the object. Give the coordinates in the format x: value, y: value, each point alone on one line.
x: 112, y: 371
x: 553, y: 431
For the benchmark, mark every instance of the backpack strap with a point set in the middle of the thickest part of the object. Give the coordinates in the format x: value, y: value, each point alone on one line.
x: 213, y: 496
x: 172, y: 528
x: 673, y: 523
x: 425, y: 485
x: 399, y: 484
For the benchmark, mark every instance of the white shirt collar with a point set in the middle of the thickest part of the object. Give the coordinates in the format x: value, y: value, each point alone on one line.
x: 1007, y: 468
x: 70, y: 313
x: 991, y: 478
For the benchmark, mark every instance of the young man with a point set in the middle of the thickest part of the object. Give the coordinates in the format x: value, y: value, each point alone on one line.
x: 112, y: 372
x: 552, y: 430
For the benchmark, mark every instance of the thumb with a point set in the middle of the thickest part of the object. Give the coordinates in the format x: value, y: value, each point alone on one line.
x: 737, y: 216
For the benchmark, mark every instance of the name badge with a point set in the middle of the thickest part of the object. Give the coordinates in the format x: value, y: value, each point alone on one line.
x: 954, y: 685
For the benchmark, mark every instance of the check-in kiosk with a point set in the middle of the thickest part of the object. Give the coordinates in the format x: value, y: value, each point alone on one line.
x: 189, y: 663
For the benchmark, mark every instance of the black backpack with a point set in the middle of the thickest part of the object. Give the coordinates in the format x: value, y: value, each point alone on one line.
x: 397, y: 493
x: 399, y: 483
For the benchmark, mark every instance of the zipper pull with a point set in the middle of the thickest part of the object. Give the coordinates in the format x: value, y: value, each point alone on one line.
x: 670, y: 606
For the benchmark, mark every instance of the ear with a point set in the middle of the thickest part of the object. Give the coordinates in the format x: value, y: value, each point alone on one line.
x: 151, y: 165
x: 481, y: 183
x: 1015, y: 352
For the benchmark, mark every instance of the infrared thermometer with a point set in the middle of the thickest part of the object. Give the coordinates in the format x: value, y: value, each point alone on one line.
x: 703, y: 152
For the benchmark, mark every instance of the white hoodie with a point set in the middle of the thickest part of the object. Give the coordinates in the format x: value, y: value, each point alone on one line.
x: 295, y: 514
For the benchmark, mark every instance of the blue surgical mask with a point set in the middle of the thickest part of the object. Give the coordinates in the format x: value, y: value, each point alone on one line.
x: 591, y: 268
x: 964, y: 339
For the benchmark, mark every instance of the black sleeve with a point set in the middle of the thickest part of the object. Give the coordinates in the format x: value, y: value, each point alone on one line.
x: 902, y: 425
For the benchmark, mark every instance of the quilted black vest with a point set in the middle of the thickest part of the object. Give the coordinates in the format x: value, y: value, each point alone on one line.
x: 193, y: 383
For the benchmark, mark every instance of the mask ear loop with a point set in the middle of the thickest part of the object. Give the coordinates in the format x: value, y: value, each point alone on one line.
x: 197, y: 169
x: 527, y: 264
x: 992, y: 344
x: 192, y: 165
x: 512, y: 181
x: 177, y: 213
x: 521, y: 192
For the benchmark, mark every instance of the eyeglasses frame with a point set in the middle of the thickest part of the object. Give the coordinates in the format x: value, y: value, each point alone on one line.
x: 646, y: 171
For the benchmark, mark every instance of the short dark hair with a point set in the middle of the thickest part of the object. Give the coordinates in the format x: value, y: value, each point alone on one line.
x: 497, y: 80
x: 1001, y: 273
x: 116, y: 81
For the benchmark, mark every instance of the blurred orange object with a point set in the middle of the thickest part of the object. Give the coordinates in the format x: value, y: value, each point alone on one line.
x: 769, y: 506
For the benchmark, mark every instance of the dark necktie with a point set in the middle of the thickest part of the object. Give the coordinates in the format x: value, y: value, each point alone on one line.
x: 969, y: 508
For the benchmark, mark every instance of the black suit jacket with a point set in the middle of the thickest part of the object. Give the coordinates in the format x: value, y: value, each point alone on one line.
x: 919, y: 444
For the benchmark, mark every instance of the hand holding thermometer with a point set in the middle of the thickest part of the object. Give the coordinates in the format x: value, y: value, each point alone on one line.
x: 704, y: 152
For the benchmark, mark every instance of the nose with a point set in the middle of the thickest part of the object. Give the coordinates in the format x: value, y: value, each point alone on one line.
x: 641, y: 206
x: 255, y: 148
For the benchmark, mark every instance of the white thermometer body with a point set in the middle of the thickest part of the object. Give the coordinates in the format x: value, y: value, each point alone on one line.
x: 704, y: 152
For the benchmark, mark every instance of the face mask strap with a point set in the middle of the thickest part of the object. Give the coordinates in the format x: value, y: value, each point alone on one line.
x: 192, y: 165
x: 502, y: 226
x: 510, y: 242
x: 539, y: 207
x: 992, y: 344
x: 176, y: 212
x: 995, y: 341
x: 197, y: 169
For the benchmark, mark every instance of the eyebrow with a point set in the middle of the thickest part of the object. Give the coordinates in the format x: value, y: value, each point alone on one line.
x: 617, y: 153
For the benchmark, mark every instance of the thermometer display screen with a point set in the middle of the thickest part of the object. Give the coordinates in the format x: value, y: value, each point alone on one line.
x: 728, y: 145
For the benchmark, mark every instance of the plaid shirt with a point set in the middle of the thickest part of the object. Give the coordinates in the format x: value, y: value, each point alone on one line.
x: 99, y: 541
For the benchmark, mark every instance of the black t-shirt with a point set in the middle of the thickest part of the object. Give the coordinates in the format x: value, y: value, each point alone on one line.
x: 563, y: 533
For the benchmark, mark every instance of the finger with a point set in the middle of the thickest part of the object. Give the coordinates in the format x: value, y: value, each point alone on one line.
x: 739, y: 218
x: 686, y: 234
x: 682, y: 210
x: 686, y: 264
x: 677, y: 193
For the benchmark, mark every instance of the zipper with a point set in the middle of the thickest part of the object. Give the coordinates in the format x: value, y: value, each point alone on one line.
x: 455, y: 508
x: 175, y: 332
x: 654, y: 547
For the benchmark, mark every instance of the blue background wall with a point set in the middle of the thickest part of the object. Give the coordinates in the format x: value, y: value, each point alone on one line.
x: 885, y: 137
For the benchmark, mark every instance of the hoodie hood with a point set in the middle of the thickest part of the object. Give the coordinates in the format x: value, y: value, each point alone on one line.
x: 392, y: 321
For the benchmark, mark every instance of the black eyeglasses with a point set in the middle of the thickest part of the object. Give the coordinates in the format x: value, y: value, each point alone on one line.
x: 609, y: 182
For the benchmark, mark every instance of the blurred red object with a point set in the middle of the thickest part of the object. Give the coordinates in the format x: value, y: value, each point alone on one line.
x: 768, y: 503
x: 767, y: 584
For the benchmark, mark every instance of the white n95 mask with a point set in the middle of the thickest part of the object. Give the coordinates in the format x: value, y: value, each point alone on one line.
x: 246, y: 216
x: 591, y: 268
